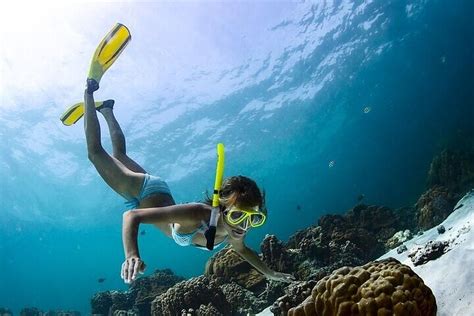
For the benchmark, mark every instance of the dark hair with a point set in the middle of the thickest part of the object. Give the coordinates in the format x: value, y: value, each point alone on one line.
x: 241, y: 191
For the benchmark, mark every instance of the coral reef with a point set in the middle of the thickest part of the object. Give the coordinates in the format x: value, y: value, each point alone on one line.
x: 226, y: 266
x: 203, y: 310
x: 451, y: 175
x: 398, y: 239
x: 144, y: 290
x: 33, y: 311
x: 241, y: 300
x: 30, y: 311
x: 191, y: 294
x: 350, y: 239
x: 384, y: 287
x: 454, y: 170
x: 108, y: 302
x: 5, y: 312
x: 125, y: 313
x: 434, y: 206
x: 295, y: 294
x: 139, y: 297
x: 275, y: 254
x: 315, y: 255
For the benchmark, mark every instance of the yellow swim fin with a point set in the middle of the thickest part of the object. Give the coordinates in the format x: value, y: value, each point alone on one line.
x: 76, y: 111
x: 108, y: 51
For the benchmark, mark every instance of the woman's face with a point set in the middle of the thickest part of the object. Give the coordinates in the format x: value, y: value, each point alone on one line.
x: 236, y: 231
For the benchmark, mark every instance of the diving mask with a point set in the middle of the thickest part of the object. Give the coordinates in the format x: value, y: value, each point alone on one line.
x: 253, y: 217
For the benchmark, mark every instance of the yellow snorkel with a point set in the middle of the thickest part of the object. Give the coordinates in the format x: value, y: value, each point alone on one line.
x: 211, y: 232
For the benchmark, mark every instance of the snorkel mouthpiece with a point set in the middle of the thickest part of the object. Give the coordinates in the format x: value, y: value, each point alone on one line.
x: 210, y: 233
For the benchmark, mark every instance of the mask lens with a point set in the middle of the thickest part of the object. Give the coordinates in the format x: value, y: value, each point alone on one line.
x: 257, y: 219
x: 235, y: 216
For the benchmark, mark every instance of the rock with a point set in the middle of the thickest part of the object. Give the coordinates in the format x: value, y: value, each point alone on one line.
x: 441, y: 229
x: 402, y: 249
x: 384, y: 287
x: 431, y: 251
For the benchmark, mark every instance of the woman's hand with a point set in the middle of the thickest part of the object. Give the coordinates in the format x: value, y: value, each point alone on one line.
x: 131, y: 267
x: 281, y: 277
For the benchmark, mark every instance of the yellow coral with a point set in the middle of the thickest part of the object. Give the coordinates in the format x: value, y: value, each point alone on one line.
x: 384, y: 287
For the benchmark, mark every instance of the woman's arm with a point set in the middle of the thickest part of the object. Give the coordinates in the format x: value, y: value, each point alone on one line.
x: 132, y: 264
x: 182, y: 213
x: 251, y: 257
x: 130, y: 225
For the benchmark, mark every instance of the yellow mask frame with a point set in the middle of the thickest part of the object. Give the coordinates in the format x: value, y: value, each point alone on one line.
x: 234, y: 218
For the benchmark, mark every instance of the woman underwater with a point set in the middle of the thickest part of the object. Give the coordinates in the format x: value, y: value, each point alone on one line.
x: 242, y: 205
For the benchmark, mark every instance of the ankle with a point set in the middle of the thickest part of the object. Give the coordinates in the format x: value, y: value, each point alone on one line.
x: 106, y: 106
x: 105, y: 110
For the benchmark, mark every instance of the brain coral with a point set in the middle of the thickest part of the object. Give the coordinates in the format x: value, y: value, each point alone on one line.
x: 384, y: 287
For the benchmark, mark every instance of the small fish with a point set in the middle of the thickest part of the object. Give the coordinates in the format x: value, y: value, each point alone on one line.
x: 367, y: 109
x: 101, y: 280
x: 332, y: 163
x: 360, y: 197
x: 143, y: 232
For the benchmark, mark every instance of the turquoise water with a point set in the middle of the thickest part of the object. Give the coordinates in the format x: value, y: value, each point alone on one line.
x: 319, y: 103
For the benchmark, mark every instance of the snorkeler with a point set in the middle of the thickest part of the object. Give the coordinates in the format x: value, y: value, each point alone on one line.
x: 241, y: 203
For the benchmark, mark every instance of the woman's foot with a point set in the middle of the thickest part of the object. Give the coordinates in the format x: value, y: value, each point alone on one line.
x: 91, y: 86
x: 107, y: 104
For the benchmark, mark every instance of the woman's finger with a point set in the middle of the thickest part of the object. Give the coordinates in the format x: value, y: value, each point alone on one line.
x: 130, y: 269
x: 122, y: 275
x: 125, y: 270
x: 136, y: 267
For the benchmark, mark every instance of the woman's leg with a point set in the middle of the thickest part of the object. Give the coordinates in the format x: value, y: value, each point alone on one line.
x: 118, y: 141
x: 123, y: 180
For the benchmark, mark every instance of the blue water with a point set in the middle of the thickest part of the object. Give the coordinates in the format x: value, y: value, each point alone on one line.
x: 319, y: 103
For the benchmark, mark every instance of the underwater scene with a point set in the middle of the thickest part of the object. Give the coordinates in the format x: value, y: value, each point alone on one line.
x: 237, y: 158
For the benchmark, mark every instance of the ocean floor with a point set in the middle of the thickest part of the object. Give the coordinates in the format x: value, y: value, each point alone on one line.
x: 450, y: 276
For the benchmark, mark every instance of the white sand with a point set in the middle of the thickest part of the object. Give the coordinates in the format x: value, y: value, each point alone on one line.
x: 450, y: 277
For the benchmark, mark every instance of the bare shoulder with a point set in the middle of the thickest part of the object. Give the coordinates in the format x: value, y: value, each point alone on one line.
x: 184, y: 214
